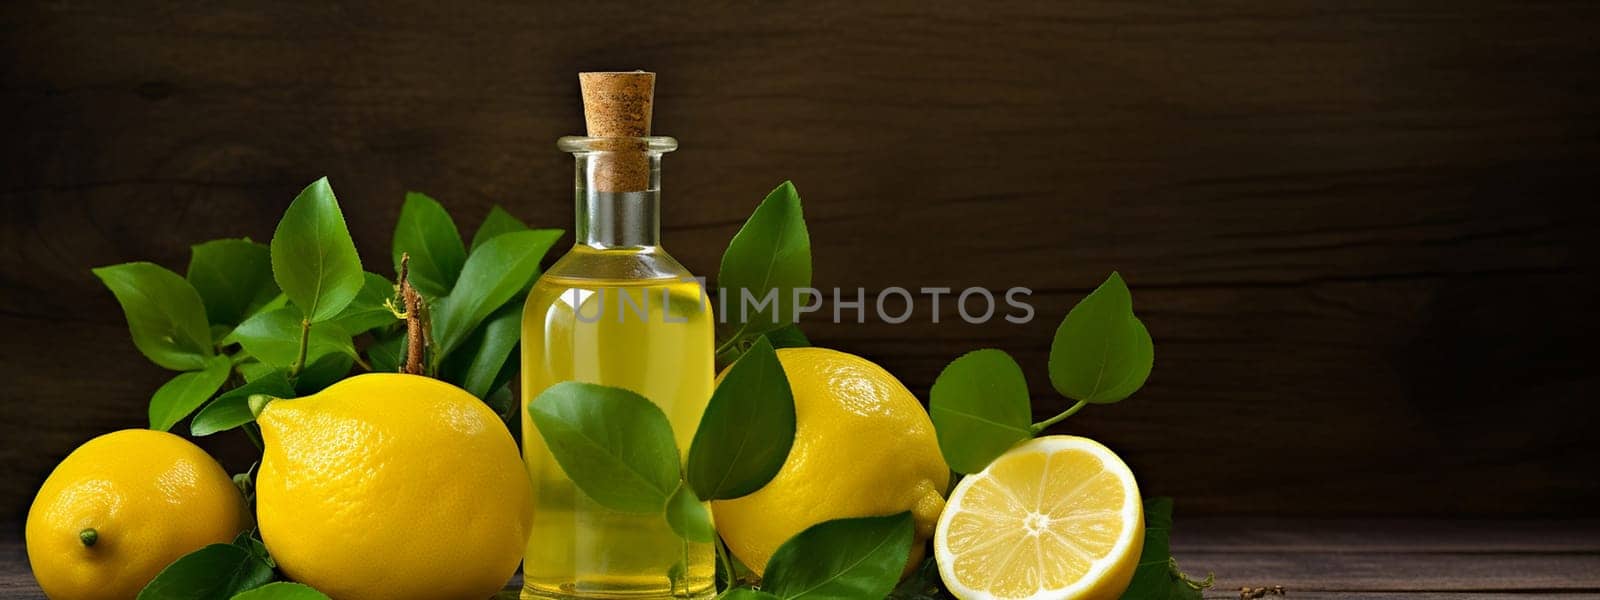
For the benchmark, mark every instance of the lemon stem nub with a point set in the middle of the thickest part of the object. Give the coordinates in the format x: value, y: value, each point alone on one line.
x: 258, y: 403
x: 88, y: 536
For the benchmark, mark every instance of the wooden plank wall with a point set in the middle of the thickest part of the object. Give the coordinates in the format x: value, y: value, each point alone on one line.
x: 1361, y: 233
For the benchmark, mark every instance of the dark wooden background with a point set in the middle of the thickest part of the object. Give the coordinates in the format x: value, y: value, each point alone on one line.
x: 1361, y: 233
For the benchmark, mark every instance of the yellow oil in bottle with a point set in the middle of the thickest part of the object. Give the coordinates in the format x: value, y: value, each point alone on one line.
x: 654, y: 337
x: 617, y: 310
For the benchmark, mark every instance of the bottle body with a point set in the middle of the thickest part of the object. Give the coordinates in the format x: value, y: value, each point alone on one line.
x: 617, y: 311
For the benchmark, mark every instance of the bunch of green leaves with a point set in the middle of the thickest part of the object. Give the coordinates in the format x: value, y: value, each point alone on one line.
x: 285, y: 319
x: 246, y: 312
x: 472, y: 297
x: 1101, y: 354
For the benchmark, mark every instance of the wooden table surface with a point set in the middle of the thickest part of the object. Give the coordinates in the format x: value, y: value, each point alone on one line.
x: 1344, y: 558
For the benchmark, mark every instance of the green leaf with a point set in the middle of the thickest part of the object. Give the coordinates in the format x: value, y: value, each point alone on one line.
x: 499, y: 221
x: 232, y: 408
x: 313, y: 258
x: 368, y: 310
x: 688, y: 516
x: 254, y: 369
x: 922, y: 584
x: 215, y: 571
x: 1102, y: 352
x: 502, y: 382
x: 616, y: 445
x: 980, y: 409
x: 387, y: 354
x: 492, y: 276
x: 279, y: 301
x: 731, y: 570
x: 246, y: 484
x: 744, y: 593
x: 1157, y: 576
x: 788, y: 336
x: 165, y: 314
x: 771, y: 252
x: 180, y: 395
x: 427, y: 233
x: 676, y: 574
x: 323, y: 371
x: 274, y: 338
x: 746, y: 430
x: 233, y: 277
x: 283, y: 590
x: 486, y: 352
x: 249, y: 541
x: 842, y: 559
x: 502, y: 402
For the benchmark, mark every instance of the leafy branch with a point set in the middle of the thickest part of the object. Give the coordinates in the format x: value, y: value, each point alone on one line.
x: 980, y: 403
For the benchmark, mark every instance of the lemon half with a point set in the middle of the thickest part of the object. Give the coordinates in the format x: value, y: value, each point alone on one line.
x: 1055, y: 518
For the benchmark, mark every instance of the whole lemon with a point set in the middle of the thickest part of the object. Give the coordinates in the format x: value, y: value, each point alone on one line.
x: 121, y: 508
x: 392, y: 486
x: 863, y: 446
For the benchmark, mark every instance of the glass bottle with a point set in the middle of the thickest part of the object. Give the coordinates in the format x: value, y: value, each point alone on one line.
x: 616, y: 310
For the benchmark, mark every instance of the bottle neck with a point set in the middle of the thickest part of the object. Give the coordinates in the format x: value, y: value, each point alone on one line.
x: 608, y: 218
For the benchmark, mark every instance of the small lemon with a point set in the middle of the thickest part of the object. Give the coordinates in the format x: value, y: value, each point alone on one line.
x: 863, y: 446
x: 392, y: 486
x: 121, y: 508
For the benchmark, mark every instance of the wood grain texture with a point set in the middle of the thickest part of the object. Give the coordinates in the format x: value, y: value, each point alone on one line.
x: 1360, y: 232
x: 1379, y: 572
x: 1401, y: 558
x: 1387, y: 535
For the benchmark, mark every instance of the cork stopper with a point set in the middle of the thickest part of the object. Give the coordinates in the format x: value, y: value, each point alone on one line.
x: 618, y: 105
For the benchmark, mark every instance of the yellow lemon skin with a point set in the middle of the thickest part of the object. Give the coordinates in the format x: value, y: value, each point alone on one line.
x: 392, y: 486
x: 863, y: 446
x: 150, y: 497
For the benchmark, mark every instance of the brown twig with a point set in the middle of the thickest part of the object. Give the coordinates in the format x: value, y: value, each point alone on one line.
x: 415, y: 340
